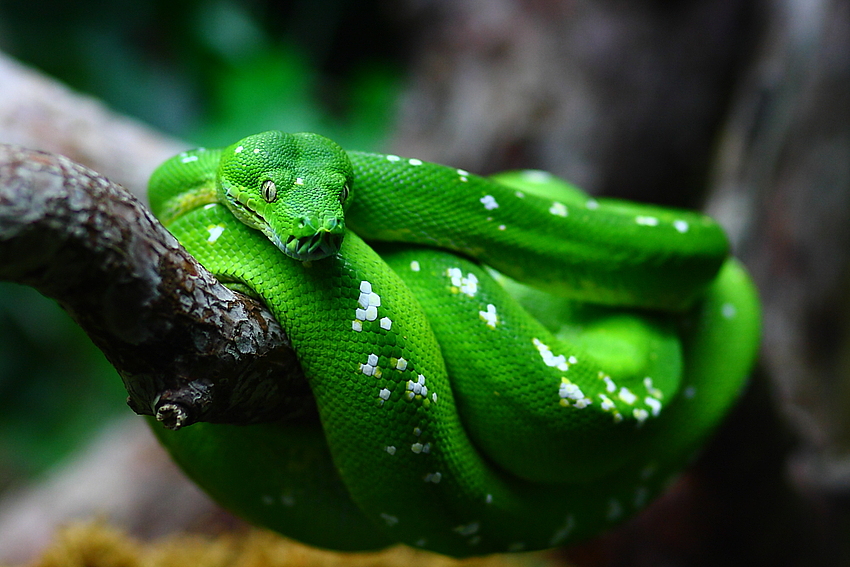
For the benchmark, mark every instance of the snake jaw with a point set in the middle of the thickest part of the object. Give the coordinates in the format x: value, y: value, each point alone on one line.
x: 313, y: 247
x: 237, y: 202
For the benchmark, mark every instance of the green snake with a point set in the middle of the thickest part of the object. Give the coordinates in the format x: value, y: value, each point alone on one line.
x: 499, y: 364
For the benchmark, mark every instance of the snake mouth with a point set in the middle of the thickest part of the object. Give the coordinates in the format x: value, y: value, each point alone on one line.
x: 313, y: 247
x: 243, y: 212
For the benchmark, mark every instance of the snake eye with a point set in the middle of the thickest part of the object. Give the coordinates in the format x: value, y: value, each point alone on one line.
x: 344, y: 194
x: 269, y: 191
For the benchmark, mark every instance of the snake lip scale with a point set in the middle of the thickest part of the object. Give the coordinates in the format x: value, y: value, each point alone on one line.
x: 499, y: 364
x: 247, y: 214
x: 315, y: 247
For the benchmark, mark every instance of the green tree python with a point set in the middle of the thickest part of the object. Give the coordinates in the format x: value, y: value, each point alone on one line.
x: 499, y: 364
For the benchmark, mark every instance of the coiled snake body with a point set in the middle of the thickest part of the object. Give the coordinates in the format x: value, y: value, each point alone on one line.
x: 517, y: 367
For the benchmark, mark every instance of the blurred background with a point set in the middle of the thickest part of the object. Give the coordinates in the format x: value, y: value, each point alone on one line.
x: 207, y: 72
x: 204, y: 72
x: 740, y: 108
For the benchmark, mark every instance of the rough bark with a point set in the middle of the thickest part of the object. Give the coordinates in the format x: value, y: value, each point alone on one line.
x: 187, y: 348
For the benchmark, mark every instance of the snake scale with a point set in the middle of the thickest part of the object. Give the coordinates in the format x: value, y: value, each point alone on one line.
x: 499, y: 364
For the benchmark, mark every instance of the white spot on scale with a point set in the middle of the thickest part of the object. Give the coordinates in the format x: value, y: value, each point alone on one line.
x: 299, y: 181
x: 417, y: 448
x: 357, y: 325
x: 654, y: 406
x: 368, y: 314
x: 414, y: 266
x: 488, y: 499
x: 210, y: 206
x: 592, y: 204
x: 502, y: 227
x: 256, y: 150
x: 401, y: 364
x: 568, y: 391
x: 370, y: 367
x: 489, y: 317
x: 558, y: 209
x: 640, y: 415
x: 390, y: 449
x: 609, y: 406
x: 238, y: 150
x: 189, y: 159
x: 489, y: 202
x: 728, y: 311
x: 433, y: 477
x: 627, y: 396
x: 215, y: 233
x: 369, y: 303
x: 393, y: 158
x: 414, y: 161
x: 417, y: 388
x: 681, y: 226
x: 549, y: 359
x: 367, y: 300
x: 386, y: 323
x: 384, y: 394
x: 610, y: 386
x: 651, y: 389
x: 646, y: 221
x: 467, y: 285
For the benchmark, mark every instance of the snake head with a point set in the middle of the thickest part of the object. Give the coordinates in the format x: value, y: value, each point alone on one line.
x: 294, y: 188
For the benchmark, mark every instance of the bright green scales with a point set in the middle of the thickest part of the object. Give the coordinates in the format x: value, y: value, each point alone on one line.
x: 451, y: 418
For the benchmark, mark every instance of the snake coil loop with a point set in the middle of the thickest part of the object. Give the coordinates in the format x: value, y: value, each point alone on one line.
x: 499, y: 364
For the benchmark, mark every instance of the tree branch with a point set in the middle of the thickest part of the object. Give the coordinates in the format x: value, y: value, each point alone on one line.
x: 187, y: 348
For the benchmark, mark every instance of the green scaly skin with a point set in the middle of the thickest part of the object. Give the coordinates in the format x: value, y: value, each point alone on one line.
x: 451, y: 419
